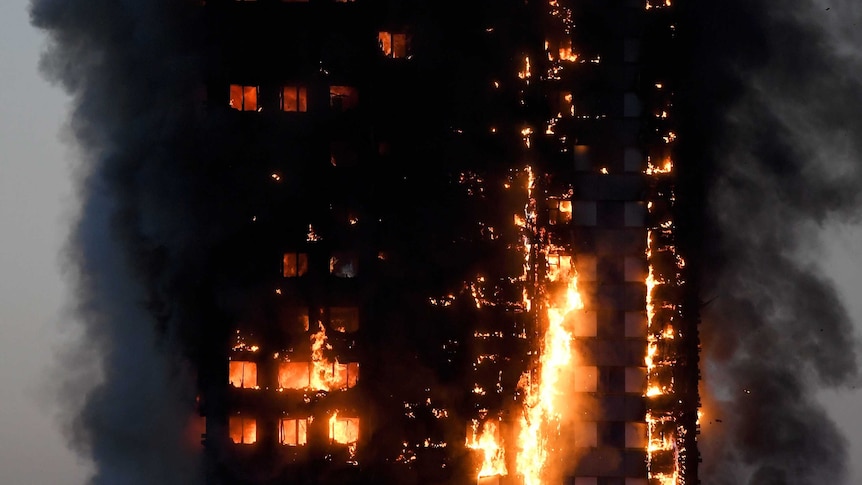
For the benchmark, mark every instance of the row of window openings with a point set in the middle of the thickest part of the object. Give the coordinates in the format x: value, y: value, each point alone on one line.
x: 338, y: 376
x: 298, y: 375
x: 586, y: 213
x: 341, y: 265
x: 341, y: 319
x: 633, y: 268
x: 294, y: 432
x: 292, y: 98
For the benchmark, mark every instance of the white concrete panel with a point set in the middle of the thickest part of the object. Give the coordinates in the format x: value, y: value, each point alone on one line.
x: 585, y: 213
x: 635, y: 379
x: 636, y: 325
x: 636, y: 435
x: 632, y: 160
x: 635, y: 214
x: 584, y: 323
x: 635, y: 269
x: 586, y: 379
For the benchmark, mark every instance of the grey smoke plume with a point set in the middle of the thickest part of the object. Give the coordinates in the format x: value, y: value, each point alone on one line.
x: 127, y: 68
x: 780, y: 90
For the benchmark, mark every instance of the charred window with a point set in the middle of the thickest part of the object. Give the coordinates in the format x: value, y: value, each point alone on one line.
x: 344, y: 319
x: 564, y: 104
x: 343, y: 265
x: 243, y: 98
x: 343, y: 98
x: 295, y: 319
x: 294, y: 98
x: 294, y: 264
x: 559, y: 211
x: 342, y: 154
x: 392, y: 45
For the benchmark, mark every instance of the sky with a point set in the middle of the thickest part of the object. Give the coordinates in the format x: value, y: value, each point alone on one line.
x: 37, y: 208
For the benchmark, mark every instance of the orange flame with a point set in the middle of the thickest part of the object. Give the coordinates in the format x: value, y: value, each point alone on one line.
x: 343, y: 430
x: 541, y: 401
x: 493, y: 454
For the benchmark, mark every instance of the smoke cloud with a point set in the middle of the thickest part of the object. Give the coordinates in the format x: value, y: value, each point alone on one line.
x: 776, y: 104
x: 128, y: 395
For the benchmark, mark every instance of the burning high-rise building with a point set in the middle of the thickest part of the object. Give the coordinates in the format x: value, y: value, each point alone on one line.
x: 409, y: 242
x: 460, y: 264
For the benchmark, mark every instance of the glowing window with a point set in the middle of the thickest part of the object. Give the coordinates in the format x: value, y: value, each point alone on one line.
x: 346, y: 375
x: 243, y: 98
x: 343, y: 98
x: 343, y: 265
x: 344, y: 319
x: 243, y: 374
x: 294, y: 375
x: 559, y: 266
x: 343, y: 430
x: 293, y: 432
x: 565, y: 104
x: 242, y: 430
x: 559, y: 211
x: 337, y: 376
x: 294, y: 98
x: 392, y: 45
x: 294, y: 264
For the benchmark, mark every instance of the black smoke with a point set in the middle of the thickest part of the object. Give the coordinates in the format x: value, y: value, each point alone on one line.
x: 773, y: 142
x: 130, y: 72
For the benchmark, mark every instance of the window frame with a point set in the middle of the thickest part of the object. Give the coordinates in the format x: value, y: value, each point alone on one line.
x: 244, y: 90
x: 301, y: 98
x: 243, y: 371
x: 245, y: 423
x: 300, y: 264
x: 300, y: 432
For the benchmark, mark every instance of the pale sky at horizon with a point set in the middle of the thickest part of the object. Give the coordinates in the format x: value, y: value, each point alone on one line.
x: 37, y: 205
